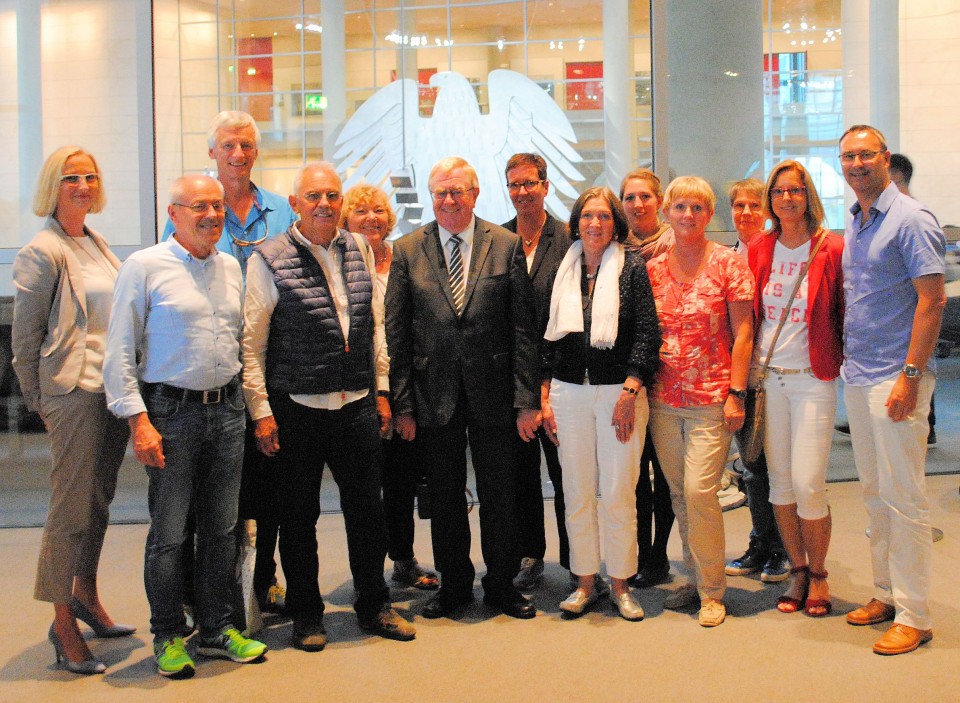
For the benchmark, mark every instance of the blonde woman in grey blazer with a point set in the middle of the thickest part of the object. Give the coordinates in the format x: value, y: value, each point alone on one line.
x: 64, y: 288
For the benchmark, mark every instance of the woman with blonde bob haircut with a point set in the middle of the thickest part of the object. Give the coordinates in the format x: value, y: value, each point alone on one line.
x: 366, y: 211
x: 801, y: 386
x: 64, y: 282
x: 704, y: 295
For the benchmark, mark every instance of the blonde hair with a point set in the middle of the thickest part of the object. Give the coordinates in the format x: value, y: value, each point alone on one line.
x: 814, y: 212
x: 366, y: 194
x: 48, y: 184
x: 689, y: 187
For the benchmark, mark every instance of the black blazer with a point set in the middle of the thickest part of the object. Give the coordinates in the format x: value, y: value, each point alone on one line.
x: 553, y: 245
x: 491, y: 349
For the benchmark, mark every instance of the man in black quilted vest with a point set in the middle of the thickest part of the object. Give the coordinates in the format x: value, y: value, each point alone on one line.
x: 314, y: 358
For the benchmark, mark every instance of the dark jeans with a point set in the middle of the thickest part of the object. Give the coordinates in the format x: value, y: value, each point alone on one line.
x: 401, y: 471
x: 654, y: 510
x: 203, y: 451
x: 532, y: 538
x: 348, y: 441
x: 493, y: 452
x: 756, y: 481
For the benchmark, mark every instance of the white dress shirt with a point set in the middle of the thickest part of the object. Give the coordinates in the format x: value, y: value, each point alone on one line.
x: 466, y: 249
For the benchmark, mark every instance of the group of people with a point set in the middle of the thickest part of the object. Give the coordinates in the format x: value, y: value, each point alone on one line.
x: 620, y: 345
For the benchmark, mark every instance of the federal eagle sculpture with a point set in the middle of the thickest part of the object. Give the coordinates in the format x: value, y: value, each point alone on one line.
x: 388, y: 138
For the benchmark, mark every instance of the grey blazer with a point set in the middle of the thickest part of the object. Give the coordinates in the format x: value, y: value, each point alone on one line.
x: 50, y: 313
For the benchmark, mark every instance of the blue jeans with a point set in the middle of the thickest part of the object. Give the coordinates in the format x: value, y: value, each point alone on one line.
x: 756, y: 481
x: 203, y: 450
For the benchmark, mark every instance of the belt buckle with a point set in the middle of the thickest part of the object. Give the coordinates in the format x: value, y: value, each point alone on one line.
x: 212, y: 397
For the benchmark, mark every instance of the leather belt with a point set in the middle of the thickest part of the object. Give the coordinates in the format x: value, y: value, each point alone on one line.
x: 209, y: 397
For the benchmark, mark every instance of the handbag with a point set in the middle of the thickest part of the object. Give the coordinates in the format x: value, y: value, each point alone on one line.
x: 750, y: 436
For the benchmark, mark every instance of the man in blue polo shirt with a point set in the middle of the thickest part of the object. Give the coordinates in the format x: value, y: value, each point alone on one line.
x: 893, y: 267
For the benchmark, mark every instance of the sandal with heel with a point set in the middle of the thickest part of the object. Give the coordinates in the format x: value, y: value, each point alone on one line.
x: 789, y: 604
x: 817, y: 603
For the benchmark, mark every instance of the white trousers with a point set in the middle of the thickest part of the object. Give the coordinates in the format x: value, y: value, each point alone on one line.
x: 692, y: 444
x: 592, y: 461
x: 891, y: 458
x: 799, y: 433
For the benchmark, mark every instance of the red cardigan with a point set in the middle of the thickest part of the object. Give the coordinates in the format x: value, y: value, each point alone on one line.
x: 825, y: 299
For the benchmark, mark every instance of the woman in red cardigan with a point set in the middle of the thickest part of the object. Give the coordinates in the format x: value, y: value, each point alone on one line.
x: 801, y: 384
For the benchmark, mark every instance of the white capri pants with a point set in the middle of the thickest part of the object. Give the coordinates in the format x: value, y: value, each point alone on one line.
x: 592, y: 461
x: 799, y: 433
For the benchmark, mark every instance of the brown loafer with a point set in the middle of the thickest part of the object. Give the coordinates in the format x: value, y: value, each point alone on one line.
x: 901, y: 639
x: 872, y: 613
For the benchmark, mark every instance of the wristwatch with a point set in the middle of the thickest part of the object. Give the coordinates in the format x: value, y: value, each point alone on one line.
x: 739, y: 393
x: 911, y: 371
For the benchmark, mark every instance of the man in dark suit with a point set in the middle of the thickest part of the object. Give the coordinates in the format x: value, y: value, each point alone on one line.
x: 545, y: 241
x: 461, y: 334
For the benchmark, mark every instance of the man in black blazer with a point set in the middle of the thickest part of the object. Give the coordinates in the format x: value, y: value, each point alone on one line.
x: 545, y: 241
x: 463, y: 362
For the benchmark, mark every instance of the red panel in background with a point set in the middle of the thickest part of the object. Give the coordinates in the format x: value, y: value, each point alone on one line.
x: 255, y: 75
x: 771, y: 65
x: 585, y: 92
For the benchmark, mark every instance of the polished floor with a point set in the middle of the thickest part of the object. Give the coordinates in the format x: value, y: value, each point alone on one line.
x: 757, y: 654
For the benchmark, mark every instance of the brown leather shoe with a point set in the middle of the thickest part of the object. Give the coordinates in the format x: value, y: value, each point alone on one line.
x: 901, y: 639
x: 388, y: 623
x: 872, y: 613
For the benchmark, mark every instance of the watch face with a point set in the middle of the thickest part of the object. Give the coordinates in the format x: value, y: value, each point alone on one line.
x: 911, y: 371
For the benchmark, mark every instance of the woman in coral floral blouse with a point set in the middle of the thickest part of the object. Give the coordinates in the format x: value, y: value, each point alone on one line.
x: 704, y: 297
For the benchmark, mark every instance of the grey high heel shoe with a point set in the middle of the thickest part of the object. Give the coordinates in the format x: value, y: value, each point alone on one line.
x: 82, y: 612
x: 93, y: 665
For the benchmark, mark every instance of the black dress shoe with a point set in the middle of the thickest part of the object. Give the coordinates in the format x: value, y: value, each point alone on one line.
x: 650, y: 576
x: 512, y: 604
x: 443, y: 606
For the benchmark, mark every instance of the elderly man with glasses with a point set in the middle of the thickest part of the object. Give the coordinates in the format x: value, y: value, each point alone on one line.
x: 461, y: 331
x: 315, y: 377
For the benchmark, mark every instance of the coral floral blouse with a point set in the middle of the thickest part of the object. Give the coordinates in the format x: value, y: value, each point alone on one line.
x: 695, y: 357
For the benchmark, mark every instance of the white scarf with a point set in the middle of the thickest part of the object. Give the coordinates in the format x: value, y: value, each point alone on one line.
x: 566, y: 306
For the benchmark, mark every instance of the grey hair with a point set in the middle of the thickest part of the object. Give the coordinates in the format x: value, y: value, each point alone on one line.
x: 451, y: 163
x: 178, y: 189
x: 315, y: 166
x: 231, y: 119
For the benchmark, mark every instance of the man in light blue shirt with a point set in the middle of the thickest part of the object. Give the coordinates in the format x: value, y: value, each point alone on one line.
x: 252, y: 214
x: 893, y: 268
x: 172, y: 370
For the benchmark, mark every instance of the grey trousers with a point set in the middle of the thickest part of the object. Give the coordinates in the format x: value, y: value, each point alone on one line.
x: 87, y: 444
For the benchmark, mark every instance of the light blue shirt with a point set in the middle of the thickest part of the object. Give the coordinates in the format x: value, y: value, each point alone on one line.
x: 270, y: 215
x: 900, y: 240
x: 175, y: 319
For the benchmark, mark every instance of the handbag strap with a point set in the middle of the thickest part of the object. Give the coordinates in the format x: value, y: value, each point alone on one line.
x: 783, y: 314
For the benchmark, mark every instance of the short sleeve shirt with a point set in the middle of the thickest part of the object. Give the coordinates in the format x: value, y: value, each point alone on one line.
x: 695, y: 357
x: 897, y: 241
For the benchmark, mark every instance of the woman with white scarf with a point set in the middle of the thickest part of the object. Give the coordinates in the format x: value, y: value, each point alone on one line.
x: 602, y: 352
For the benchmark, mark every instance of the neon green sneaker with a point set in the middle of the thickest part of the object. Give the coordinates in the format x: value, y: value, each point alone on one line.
x: 172, y: 659
x: 230, y: 644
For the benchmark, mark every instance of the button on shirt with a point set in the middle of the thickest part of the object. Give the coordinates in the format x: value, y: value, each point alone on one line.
x: 181, y: 316
x: 260, y: 302
x: 898, y: 241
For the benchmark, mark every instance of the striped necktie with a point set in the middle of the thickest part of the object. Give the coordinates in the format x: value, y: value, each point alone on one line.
x: 456, y: 273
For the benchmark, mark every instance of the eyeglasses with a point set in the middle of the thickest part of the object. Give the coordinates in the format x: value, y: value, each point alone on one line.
x: 517, y: 185
x: 455, y: 193
x: 850, y: 156
x: 313, y: 196
x: 794, y: 192
x: 74, y: 179
x: 202, y: 207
